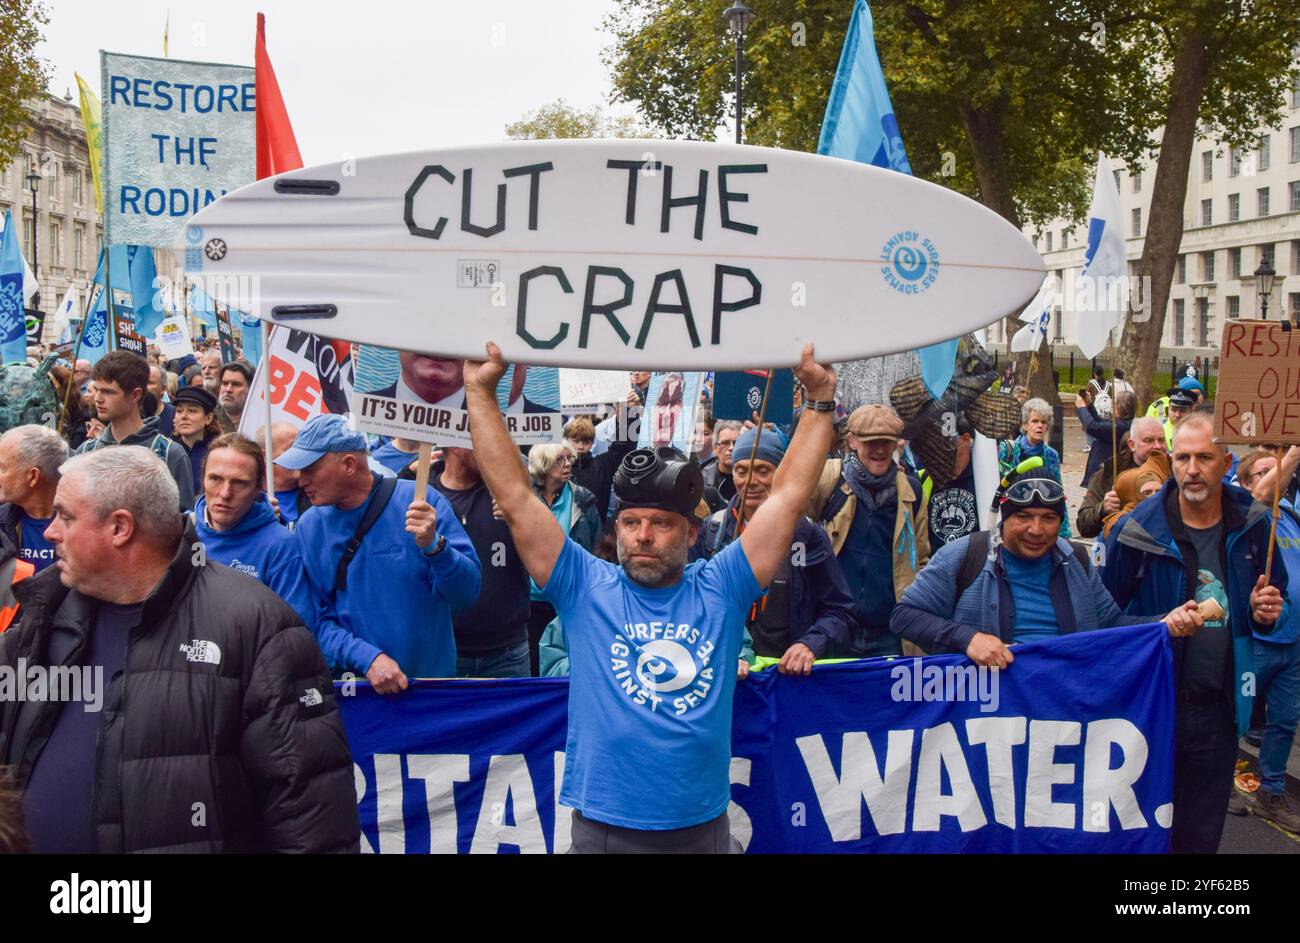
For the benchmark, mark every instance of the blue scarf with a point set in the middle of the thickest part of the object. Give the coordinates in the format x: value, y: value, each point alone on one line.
x: 876, y: 491
x: 1027, y: 450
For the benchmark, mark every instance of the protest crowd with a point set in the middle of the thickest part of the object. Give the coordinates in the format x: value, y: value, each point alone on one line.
x: 145, y: 542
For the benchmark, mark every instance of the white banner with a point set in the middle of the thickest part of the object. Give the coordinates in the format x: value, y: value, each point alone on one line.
x: 177, y: 136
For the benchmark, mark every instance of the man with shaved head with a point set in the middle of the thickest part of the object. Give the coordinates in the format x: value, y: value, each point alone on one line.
x: 1198, y: 538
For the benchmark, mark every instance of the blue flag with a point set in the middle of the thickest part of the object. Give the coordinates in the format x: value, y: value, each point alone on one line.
x: 860, y: 125
x: 146, y: 309
x: 13, y: 325
x: 252, y: 338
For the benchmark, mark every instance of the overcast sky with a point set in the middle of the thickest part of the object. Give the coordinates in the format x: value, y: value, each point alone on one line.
x: 364, y: 77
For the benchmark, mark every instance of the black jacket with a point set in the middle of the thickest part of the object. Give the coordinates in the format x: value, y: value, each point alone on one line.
x: 246, y: 724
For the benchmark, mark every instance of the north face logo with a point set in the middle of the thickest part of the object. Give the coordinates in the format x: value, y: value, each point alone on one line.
x: 312, y: 698
x: 202, y: 650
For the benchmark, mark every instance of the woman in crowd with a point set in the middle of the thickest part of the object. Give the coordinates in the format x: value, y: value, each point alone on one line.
x: 1035, y: 425
x: 195, y: 427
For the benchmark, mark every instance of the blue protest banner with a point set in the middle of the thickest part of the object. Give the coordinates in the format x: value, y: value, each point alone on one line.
x: 1069, y: 750
x: 737, y: 394
x: 177, y: 136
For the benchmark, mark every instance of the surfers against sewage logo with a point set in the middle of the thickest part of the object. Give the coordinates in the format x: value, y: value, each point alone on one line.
x: 651, y: 660
x: 911, y: 263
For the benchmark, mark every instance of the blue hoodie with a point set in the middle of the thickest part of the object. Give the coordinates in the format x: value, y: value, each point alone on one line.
x: 398, y: 600
x: 1145, y: 572
x: 263, y: 549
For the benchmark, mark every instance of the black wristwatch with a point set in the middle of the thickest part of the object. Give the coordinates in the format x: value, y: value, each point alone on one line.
x: 438, y: 547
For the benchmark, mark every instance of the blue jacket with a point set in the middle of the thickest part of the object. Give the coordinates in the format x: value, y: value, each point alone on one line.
x: 398, y: 600
x: 260, y: 547
x: 820, y: 613
x: 1146, y: 572
x: 929, y: 615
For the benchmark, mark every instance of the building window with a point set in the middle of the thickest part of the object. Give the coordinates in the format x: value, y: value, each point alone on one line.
x: 1049, y: 242
x: 1294, y: 305
x: 1057, y: 336
x: 1234, y: 207
x: 1295, y: 257
x: 27, y: 232
x: 1137, y: 221
x: 54, y: 180
x: 1207, y: 165
x: 1295, y: 144
x: 78, y: 247
x: 1207, y: 212
x: 1234, y: 263
x: 1265, y: 253
x: 1234, y: 306
x: 1116, y: 173
x: 1207, y: 266
x: 1293, y: 195
x: 1234, y: 162
x: 76, y: 187
x: 1203, y: 324
x: 1180, y: 321
x: 1065, y: 238
x: 1262, y: 154
x: 1261, y: 197
x: 1137, y: 183
x: 1182, y: 269
x: 1295, y: 93
x: 55, y: 245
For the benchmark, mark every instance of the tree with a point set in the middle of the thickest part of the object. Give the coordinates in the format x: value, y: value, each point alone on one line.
x: 22, y: 75
x: 1007, y: 103
x: 1230, y: 64
x: 561, y: 120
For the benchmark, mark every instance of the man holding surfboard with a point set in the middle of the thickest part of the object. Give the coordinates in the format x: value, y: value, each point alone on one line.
x: 653, y: 643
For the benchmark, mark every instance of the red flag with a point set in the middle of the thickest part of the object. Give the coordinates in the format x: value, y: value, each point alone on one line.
x: 277, y: 148
x: 277, y: 152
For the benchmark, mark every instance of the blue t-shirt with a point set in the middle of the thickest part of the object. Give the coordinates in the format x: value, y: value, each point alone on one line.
x: 1028, y: 581
x: 652, y: 675
x: 35, y: 549
x: 1288, y: 548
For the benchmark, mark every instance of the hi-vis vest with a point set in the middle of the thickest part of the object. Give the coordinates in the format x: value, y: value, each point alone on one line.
x: 11, y: 571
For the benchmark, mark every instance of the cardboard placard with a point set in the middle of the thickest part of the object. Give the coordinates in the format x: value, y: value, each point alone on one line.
x: 1257, y: 401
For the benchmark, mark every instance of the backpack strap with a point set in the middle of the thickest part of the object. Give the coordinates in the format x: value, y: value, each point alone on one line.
x: 159, y: 445
x: 379, y: 498
x: 977, y: 551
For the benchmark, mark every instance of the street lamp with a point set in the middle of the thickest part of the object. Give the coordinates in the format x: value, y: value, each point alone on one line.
x: 1264, y: 286
x: 738, y: 17
x: 34, y: 182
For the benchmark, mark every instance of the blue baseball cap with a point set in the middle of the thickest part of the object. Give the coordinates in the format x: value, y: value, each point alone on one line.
x: 326, y: 433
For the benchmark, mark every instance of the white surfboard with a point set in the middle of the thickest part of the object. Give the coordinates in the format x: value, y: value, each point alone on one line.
x: 614, y: 254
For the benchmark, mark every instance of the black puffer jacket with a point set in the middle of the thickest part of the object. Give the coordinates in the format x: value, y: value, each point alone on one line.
x: 224, y: 701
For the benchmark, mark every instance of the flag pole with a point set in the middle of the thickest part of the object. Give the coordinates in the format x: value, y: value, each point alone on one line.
x: 1272, y: 531
x: 753, y: 453
x: 1114, y: 413
x: 265, y: 328
x: 67, y: 393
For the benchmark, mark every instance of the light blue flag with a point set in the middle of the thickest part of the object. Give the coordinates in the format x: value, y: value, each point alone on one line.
x: 13, y: 325
x: 96, y: 340
x: 145, y: 303
x: 252, y: 338
x: 860, y: 125
x: 203, y: 308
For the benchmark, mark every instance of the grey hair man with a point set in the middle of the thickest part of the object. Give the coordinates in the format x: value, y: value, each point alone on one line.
x: 230, y: 701
x: 717, y: 470
x: 1145, y: 437
x: 30, y: 457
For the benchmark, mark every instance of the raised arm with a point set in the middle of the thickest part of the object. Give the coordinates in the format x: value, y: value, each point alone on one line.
x: 766, y: 540
x: 536, y: 533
